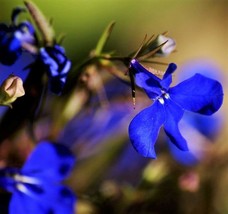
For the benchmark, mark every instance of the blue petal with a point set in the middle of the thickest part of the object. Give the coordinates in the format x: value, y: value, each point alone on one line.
x: 173, y: 115
x: 21, y: 204
x: 58, y: 66
x: 28, y: 25
x: 167, y: 78
x: 10, y: 48
x: 14, y: 44
x: 49, y: 160
x: 198, y: 94
x: 146, y: 80
x: 208, y: 126
x: 57, y: 200
x: 6, y: 180
x: 144, y: 128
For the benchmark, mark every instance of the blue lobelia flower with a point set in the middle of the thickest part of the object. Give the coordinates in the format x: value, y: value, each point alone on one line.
x: 13, y: 36
x: 197, y: 94
x: 36, y: 187
x: 58, y: 66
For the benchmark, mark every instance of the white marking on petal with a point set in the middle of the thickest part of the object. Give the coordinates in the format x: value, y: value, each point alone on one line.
x: 66, y: 68
x: 49, y: 61
x: 18, y: 35
x: 61, y: 58
x: 26, y: 179
x: 133, y: 61
x: 63, y: 79
x: 22, y: 188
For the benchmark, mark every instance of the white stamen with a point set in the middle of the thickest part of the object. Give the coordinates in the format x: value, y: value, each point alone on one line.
x: 161, y: 100
x: 166, y: 96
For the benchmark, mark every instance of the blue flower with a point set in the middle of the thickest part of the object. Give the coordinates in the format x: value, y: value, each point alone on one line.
x: 197, y: 94
x: 36, y: 187
x: 12, y: 37
x: 58, y: 66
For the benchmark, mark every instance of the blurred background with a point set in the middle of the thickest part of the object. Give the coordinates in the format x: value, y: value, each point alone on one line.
x: 110, y: 177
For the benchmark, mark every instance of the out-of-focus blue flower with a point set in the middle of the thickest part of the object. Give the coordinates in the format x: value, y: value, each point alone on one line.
x: 58, y: 66
x: 128, y: 163
x: 12, y: 37
x: 35, y: 187
x: 197, y: 94
x: 196, y: 148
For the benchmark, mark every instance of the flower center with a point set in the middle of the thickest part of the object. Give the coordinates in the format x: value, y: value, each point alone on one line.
x: 163, y: 96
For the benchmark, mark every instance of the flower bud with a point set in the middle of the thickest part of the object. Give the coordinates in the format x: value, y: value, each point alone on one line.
x: 167, y: 48
x: 10, y: 90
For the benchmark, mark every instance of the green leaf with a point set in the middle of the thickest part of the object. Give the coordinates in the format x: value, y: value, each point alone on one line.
x: 103, y: 39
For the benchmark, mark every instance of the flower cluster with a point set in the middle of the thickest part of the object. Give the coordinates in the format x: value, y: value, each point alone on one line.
x: 36, y: 187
